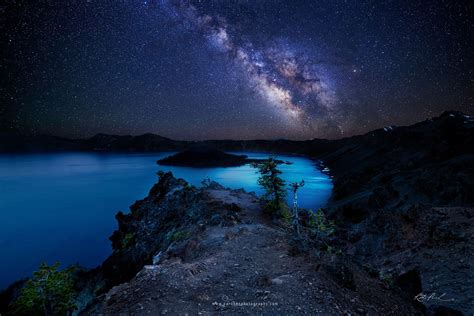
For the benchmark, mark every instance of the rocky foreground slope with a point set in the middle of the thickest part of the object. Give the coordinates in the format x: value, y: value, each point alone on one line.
x: 211, y: 250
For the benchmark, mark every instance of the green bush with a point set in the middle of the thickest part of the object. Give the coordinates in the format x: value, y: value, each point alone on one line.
x: 319, y: 224
x: 388, y: 279
x: 286, y: 215
x: 206, y: 182
x: 177, y: 235
x: 128, y: 240
x: 49, y: 292
x: 180, y: 235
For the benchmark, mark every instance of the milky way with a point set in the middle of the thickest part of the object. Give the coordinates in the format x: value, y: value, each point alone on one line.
x: 287, y: 79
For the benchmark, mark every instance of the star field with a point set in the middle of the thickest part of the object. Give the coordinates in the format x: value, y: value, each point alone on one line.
x: 232, y: 69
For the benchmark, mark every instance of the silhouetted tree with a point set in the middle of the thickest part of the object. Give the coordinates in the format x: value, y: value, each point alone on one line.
x: 296, y: 217
x: 274, y: 187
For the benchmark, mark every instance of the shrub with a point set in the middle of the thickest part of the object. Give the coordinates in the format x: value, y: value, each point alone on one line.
x: 206, y: 182
x: 319, y: 224
x: 387, y: 279
x: 180, y: 235
x: 286, y: 216
x: 177, y: 235
x: 128, y: 240
x: 49, y: 292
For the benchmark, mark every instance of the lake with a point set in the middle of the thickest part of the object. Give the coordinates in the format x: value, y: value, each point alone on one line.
x: 61, y: 206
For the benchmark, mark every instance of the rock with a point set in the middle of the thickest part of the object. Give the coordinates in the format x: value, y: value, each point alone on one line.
x: 157, y: 258
x: 342, y: 274
x: 216, y: 219
x: 277, y: 281
x: 444, y: 311
x: 263, y: 280
x: 409, y: 283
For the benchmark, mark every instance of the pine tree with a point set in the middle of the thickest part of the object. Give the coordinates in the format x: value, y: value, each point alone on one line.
x: 274, y: 186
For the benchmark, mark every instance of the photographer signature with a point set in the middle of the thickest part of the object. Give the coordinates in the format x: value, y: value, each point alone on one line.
x: 424, y: 298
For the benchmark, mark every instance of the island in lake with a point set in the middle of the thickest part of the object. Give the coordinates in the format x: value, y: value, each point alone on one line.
x: 207, y: 157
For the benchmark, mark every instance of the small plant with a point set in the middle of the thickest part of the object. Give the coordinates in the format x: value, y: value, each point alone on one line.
x: 128, y: 240
x: 286, y: 216
x: 329, y: 249
x: 188, y: 187
x: 275, y: 209
x: 177, y: 235
x: 49, y: 292
x: 180, y: 235
x: 319, y: 224
x: 387, y: 279
x: 206, y: 182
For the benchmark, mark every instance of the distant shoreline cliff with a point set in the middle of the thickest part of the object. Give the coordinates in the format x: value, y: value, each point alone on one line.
x: 15, y: 142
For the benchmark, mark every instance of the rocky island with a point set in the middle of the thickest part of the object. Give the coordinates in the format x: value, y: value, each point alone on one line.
x: 203, y: 157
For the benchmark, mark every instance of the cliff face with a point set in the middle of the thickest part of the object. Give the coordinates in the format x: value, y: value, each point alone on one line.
x: 429, y: 161
x: 403, y: 198
x: 172, y: 210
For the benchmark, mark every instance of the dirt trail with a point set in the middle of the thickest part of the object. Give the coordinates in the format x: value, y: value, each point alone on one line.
x: 247, y: 269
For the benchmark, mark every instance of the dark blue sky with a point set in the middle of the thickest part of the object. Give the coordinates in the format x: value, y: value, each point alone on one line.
x: 232, y: 69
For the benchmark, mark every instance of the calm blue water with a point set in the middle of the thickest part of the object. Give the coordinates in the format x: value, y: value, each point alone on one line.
x: 61, y: 206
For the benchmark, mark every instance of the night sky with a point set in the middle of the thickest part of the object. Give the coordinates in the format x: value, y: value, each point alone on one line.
x: 232, y: 69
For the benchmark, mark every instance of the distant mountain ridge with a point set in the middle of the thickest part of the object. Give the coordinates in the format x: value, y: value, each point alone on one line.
x: 13, y: 142
x: 16, y: 142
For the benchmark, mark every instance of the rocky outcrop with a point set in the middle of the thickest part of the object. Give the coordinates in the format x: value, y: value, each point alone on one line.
x: 212, y: 250
x: 173, y: 210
